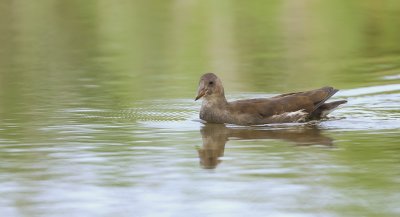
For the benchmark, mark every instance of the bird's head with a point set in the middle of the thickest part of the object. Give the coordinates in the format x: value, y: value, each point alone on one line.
x: 210, y: 86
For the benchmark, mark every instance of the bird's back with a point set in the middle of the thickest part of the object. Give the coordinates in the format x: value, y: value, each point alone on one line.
x: 290, y: 107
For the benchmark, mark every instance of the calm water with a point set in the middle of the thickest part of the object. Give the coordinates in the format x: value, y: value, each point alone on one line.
x: 97, y: 116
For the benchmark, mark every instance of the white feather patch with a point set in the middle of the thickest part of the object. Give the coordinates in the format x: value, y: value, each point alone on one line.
x: 297, y: 116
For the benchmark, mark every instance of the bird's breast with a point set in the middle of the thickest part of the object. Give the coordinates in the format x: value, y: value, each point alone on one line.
x: 213, y: 114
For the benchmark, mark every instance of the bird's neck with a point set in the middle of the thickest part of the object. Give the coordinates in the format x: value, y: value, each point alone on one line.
x: 215, y: 102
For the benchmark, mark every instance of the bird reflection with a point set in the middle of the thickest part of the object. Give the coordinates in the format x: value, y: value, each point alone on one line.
x: 215, y: 136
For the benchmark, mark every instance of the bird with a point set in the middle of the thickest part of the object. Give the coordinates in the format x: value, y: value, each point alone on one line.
x: 285, y: 108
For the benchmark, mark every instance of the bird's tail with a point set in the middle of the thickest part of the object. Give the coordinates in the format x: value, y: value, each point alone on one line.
x: 326, y: 108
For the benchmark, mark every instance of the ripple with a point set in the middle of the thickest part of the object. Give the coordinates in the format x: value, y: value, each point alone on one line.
x: 368, y: 90
x: 375, y: 107
x: 155, y: 111
x: 391, y: 77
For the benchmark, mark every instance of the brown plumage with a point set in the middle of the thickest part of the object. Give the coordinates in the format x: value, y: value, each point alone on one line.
x: 290, y: 107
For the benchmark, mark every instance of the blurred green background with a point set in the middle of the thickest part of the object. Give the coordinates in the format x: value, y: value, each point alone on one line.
x: 127, y: 50
x: 97, y: 110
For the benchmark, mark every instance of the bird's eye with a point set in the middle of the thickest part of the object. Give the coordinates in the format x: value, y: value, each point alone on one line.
x: 211, y: 82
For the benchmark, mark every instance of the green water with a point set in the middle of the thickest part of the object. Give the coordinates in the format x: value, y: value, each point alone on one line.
x: 97, y: 111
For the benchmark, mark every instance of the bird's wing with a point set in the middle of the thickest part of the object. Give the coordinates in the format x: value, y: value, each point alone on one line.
x: 308, y: 101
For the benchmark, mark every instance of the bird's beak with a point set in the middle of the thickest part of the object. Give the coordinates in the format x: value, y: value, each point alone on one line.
x: 200, y: 94
x: 201, y: 91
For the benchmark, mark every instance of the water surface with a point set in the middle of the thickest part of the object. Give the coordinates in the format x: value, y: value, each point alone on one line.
x: 97, y: 116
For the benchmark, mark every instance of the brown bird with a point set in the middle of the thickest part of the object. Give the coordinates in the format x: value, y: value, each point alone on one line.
x: 285, y: 108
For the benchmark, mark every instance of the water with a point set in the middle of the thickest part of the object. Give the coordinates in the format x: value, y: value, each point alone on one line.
x: 97, y: 111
